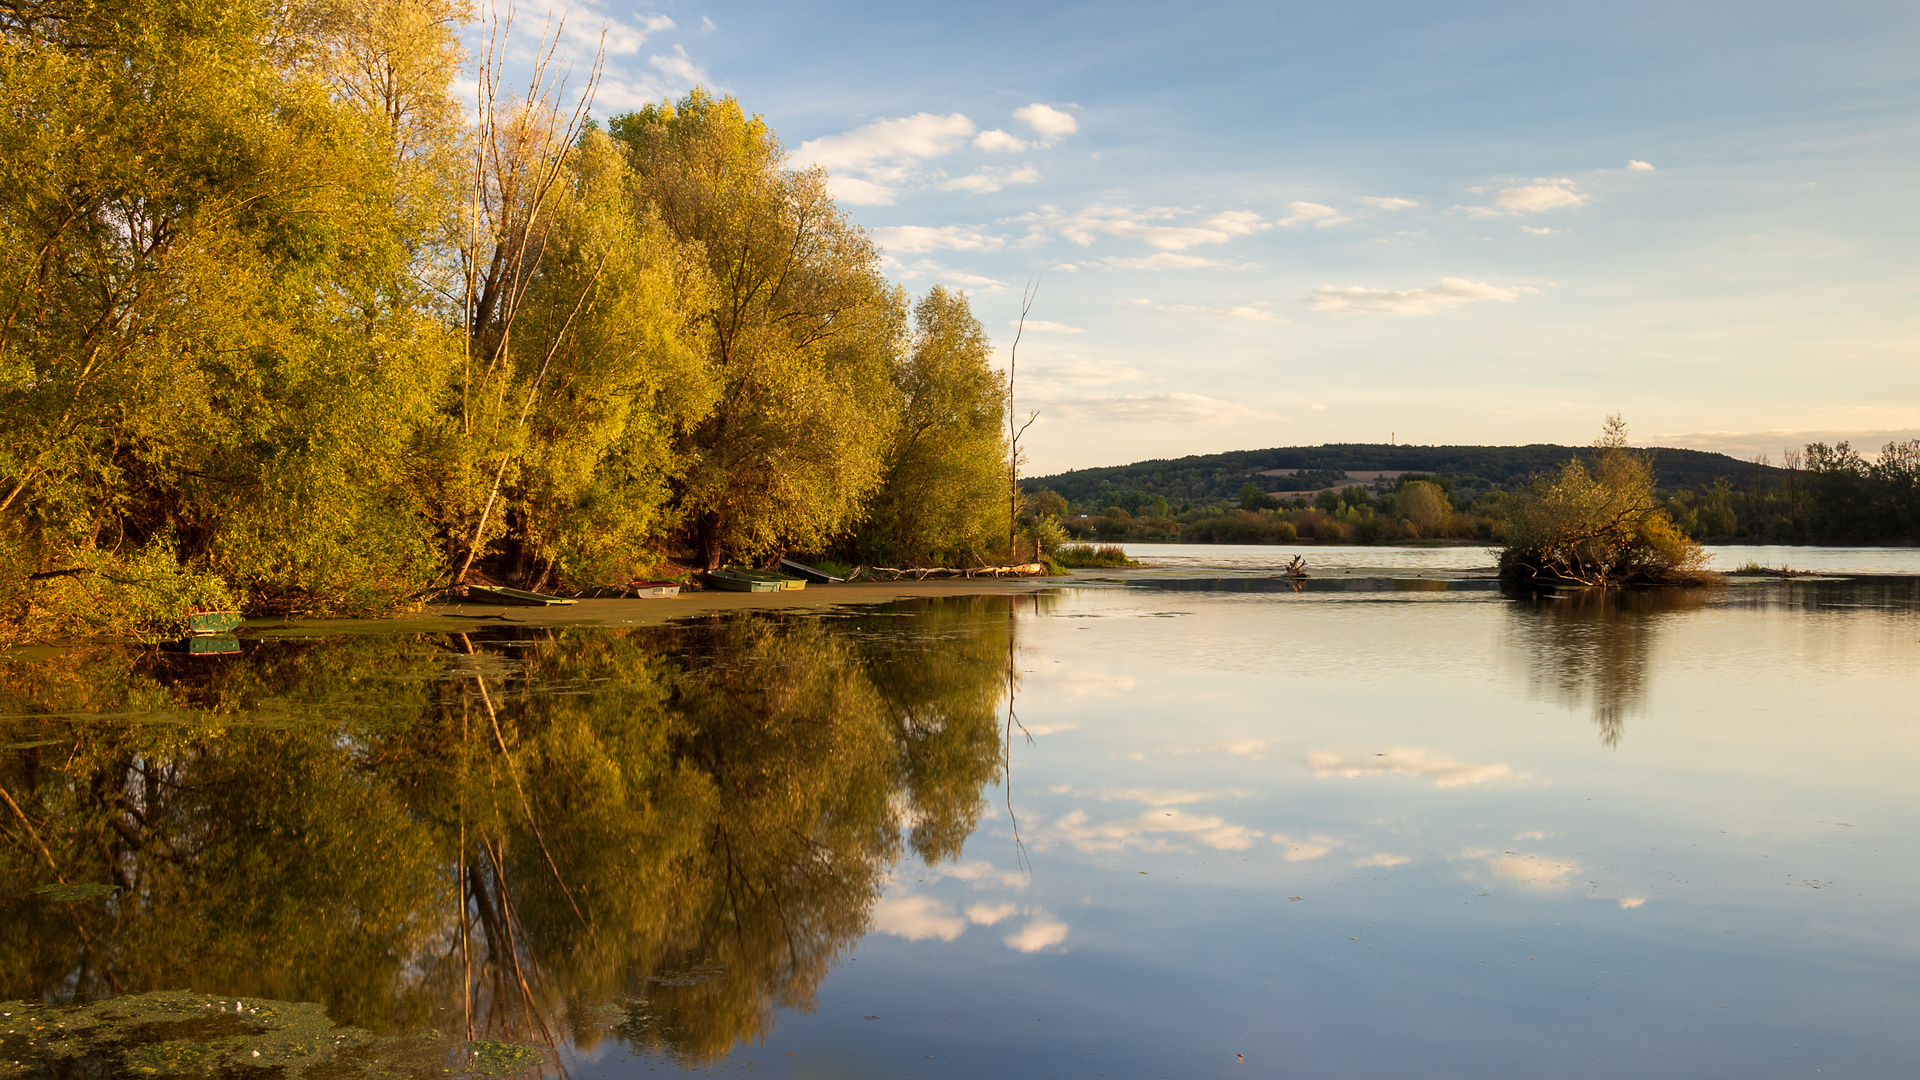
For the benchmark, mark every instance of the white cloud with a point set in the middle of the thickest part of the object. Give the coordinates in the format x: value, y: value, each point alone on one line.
x: 1540, y: 231
x: 1545, y: 193
x: 680, y: 67
x: 1255, y: 312
x: 995, y: 141
x: 1302, y: 850
x: 1238, y: 222
x: 1314, y: 212
x: 1443, y: 771
x: 1154, y: 830
x: 1537, y: 197
x: 1640, y: 166
x: 1174, y: 408
x: 1050, y: 729
x: 917, y: 918
x: 1422, y: 301
x: 1078, y: 684
x: 1085, y: 226
x: 936, y: 238
x: 1052, y: 124
x: 1163, y: 261
x: 927, y: 269
x: 916, y: 137
x: 989, y: 178
x: 616, y: 95
x: 1045, y: 327
x: 1317, y: 407
x: 988, y: 914
x: 1042, y: 932
x: 1388, y: 202
x: 858, y: 192
x: 618, y: 38
x: 1383, y: 859
x: 1629, y: 902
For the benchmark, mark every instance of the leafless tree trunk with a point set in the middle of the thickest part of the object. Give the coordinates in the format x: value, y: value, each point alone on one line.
x: 1015, y: 428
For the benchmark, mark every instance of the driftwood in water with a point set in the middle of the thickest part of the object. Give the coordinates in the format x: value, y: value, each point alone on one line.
x: 886, y: 573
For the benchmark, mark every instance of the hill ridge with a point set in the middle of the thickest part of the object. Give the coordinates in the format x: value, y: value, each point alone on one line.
x: 1472, y: 468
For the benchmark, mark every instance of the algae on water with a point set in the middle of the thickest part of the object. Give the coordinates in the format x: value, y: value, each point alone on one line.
x: 178, y: 1033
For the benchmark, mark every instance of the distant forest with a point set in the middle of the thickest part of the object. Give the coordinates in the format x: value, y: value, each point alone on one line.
x: 1474, y: 470
x: 1335, y: 492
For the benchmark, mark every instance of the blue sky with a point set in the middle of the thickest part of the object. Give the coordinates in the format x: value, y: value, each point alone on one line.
x: 1264, y: 225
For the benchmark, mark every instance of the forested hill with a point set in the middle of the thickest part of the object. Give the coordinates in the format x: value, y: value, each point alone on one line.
x: 1472, y: 468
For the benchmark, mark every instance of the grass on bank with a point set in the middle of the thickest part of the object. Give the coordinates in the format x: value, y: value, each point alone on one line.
x: 1077, y: 556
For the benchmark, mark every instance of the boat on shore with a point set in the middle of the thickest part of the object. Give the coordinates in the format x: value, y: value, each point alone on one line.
x: 653, y: 590
x: 785, y: 581
x: 813, y: 574
x: 500, y: 594
x: 212, y: 622
x: 743, y: 581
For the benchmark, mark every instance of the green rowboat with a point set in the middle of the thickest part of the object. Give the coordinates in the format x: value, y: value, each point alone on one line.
x: 783, y: 580
x: 743, y: 581
x: 212, y: 622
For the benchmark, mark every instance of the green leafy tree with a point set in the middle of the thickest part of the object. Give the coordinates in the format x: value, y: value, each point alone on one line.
x: 1424, y: 505
x: 1599, y: 524
x: 939, y: 501
x: 802, y: 332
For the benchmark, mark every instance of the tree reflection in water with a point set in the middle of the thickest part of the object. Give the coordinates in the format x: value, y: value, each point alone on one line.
x: 1590, y: 648
x: 666, y: 833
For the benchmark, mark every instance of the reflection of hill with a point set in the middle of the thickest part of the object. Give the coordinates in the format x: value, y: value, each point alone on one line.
x: 1590, y: 648
x: 672, y: 832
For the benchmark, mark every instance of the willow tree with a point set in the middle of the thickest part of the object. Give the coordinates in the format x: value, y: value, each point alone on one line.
x: 941, y: 498
x: 801, y: 329
x: 198, y: 239
x: 612, y: 318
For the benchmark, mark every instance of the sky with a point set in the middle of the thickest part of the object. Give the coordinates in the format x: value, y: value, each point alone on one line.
x: 1253, y: 225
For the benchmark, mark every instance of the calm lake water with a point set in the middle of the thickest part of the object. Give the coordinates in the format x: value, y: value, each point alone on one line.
x: 1366, y: 829
x: 1258, y: 557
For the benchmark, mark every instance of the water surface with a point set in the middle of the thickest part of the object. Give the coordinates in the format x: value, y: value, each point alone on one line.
x: 1382, y: 829
x: 1256, y: 557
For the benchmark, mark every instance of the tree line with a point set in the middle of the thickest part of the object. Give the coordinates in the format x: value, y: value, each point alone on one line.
x: 1822, y: 494
x: 282, y: 326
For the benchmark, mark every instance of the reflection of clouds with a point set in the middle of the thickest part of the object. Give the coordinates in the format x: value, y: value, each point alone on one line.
x: 1534, y: 834
x: 1384, y: 858
x: 1043, y: 931
x: 1251, y: 749
x: 988, y: 914
x: 1632, y: 901
x: 1407, y: 761
x: 1150, y: 796
x: 1081, y: 685
x: 982, y: 875
x: 1301, y: 850
x: 1154, y: 830
x: 917, y: 918
x: 1532, y: 871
